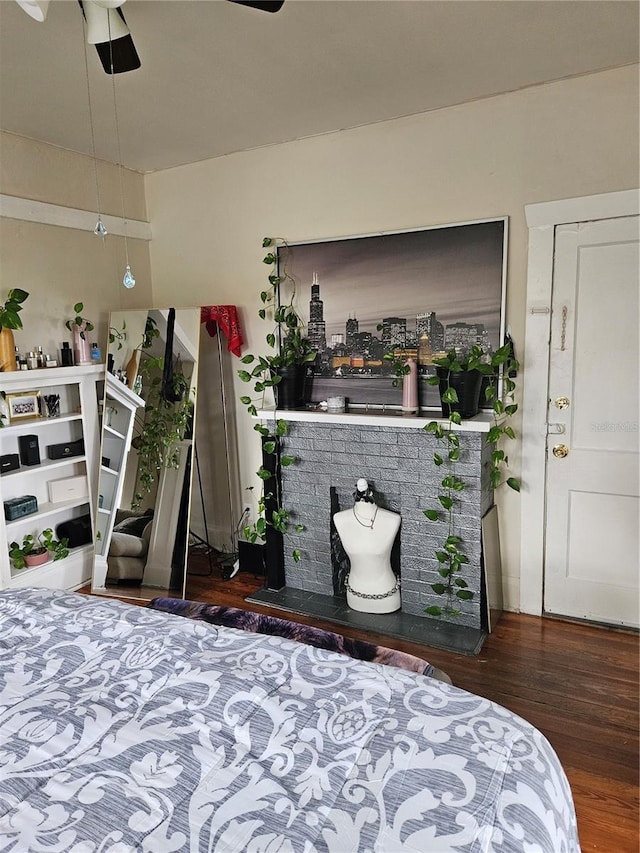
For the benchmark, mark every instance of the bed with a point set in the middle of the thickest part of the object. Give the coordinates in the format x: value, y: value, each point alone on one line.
x: 125, y: 729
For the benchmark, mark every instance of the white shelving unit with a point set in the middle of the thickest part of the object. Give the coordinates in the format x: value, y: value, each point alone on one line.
x: 78, y: 419
x: 120, y: 407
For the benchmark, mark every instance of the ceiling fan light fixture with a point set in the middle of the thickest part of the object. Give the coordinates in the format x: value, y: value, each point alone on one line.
x: 103, y: 24
x: 108, y: 31
x: 36, y: 9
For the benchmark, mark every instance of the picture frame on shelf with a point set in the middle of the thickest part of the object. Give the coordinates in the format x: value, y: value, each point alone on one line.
x: 23, y: 406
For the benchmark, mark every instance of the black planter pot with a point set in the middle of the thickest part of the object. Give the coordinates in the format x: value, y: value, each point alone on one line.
x: 290, y: 391
x: 467, y: 385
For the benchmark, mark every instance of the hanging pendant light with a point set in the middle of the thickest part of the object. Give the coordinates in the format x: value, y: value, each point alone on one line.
x: 128, y: 279
x: 100, y: 229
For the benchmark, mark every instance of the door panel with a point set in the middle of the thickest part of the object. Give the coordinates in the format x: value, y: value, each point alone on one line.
x: 591, y: 554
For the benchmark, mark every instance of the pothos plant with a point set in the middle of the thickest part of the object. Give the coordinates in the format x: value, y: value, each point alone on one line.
x: 118, y: 336
x: 10, y: 310
x: 450, y: 554
x: 40, y: 544
x: 165, y: 424
x: 288, y: 345
x: 79, y: 322
x: 166, y: 416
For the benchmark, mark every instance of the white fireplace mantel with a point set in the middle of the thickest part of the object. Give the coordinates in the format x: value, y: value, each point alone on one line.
x: 363, y: 417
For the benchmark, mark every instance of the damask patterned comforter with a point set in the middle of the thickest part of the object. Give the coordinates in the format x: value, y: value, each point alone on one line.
x: 126, y: 729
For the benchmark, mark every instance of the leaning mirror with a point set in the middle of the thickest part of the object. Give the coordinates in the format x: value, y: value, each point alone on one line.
x: 148, y: 423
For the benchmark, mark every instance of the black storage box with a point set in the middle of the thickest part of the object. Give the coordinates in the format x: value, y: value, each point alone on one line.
x: 19, y: 507
x: 9, y: 462
x: 69, y: 448
x: 76, y: 530
x: 29, y: 449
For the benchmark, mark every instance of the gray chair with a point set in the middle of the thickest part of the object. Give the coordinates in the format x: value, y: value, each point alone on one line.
x: 129, y: 547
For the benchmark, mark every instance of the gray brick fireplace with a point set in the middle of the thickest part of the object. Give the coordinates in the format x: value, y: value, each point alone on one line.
x: 395, y: 454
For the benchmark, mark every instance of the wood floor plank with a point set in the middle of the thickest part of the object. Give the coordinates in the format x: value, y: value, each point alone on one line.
x: 598, y: 812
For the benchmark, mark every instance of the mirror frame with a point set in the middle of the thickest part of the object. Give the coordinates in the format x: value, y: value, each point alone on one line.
x: 120, y: 408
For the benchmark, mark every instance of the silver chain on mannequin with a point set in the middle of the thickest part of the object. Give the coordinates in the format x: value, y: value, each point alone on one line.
x: 373, y: 595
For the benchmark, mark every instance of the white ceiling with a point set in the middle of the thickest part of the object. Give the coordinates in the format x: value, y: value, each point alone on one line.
x: 218, y: 78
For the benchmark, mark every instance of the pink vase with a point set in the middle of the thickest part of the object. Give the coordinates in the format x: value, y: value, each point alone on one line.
x: 81, y: 346
x: 410, y: 387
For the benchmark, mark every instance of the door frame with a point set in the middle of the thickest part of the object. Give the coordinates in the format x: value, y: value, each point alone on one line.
x: 542, y: 219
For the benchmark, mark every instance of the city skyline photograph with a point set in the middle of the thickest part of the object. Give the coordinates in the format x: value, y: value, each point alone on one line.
x: 455, y: 271
x: 410, y: 293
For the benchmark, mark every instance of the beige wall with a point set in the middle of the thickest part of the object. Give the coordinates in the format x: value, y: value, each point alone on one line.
x: 488, y: 158
x: 61, y: 266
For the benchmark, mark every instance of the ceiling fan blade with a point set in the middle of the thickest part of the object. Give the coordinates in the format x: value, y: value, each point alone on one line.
x: 122, y: 52
x: 265, y: 5
x: 119, y: 54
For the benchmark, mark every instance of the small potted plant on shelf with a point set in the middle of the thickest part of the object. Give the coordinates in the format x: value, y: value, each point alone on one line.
x: 284, y: 369
x: 450, y: 555
x: 459, y: 378
x: 10, y: 320
x: 78, y: 325
x: 36, y: 550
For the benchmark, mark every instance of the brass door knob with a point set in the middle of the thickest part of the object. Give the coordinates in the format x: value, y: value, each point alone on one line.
x: 560, y: 451
x: 562, y: 402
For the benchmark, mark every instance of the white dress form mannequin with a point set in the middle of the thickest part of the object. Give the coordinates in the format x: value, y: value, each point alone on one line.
x: 367, y: 533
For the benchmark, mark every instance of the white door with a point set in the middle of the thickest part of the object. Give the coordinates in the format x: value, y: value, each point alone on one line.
x: 592, y: 492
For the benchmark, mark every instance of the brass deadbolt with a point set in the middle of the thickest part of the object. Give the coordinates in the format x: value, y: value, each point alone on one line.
x: 560, y: 451
x: 562, y: 402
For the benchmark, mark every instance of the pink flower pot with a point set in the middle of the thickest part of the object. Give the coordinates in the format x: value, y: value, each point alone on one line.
x: 36, y: 559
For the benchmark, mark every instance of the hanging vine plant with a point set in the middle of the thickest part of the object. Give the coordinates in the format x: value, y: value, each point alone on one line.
x: 165, y: 424
x: 287, y: 346
x: 450, y: 555
x: 166, y: 416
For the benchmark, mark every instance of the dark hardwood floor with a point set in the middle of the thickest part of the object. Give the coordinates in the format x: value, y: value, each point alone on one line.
x: 577, y: 683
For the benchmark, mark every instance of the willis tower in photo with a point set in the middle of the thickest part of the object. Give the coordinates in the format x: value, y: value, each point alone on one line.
x: 316, y: 327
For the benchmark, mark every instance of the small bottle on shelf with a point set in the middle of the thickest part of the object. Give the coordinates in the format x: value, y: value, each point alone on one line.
x: 66, y: 354
x: 96, y: 355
